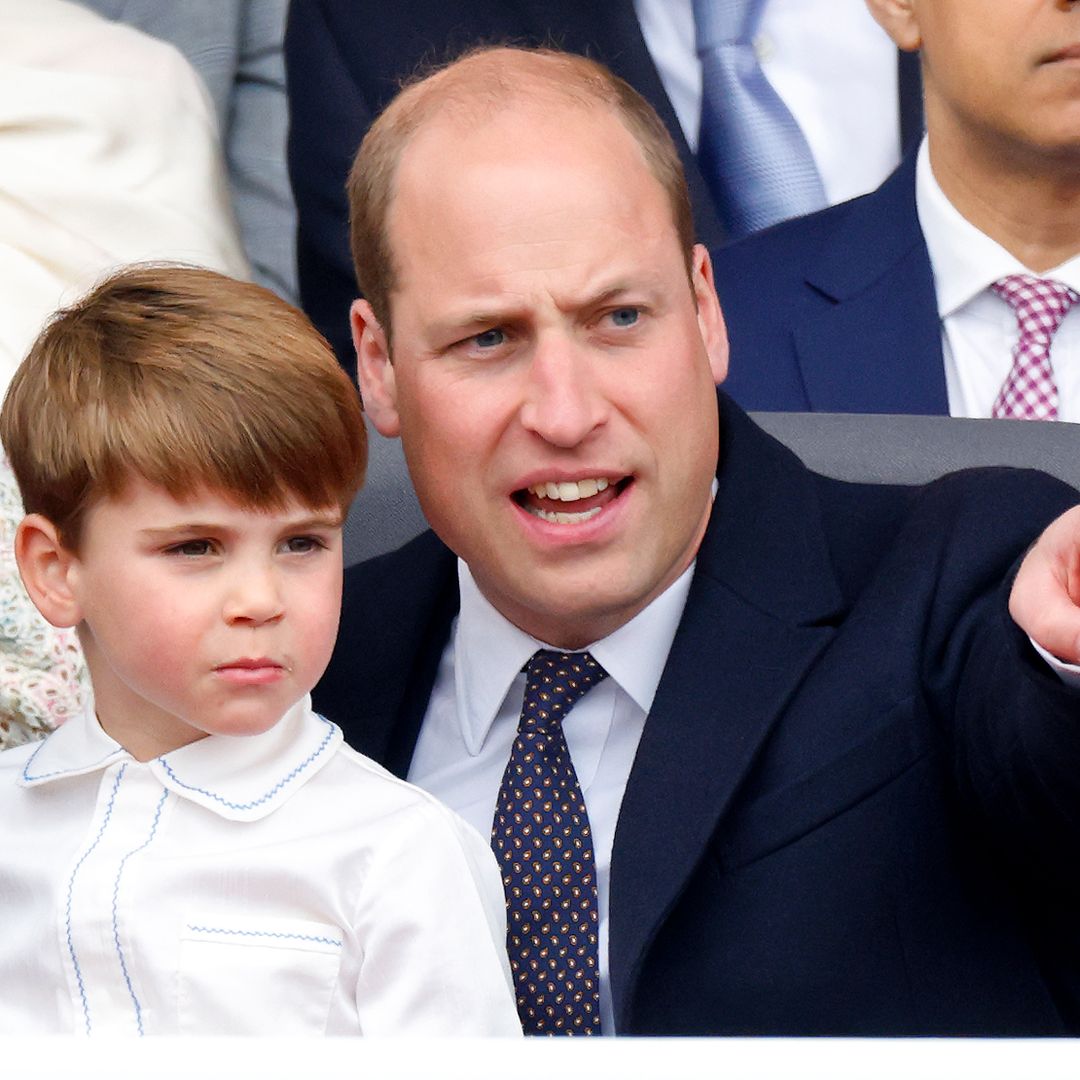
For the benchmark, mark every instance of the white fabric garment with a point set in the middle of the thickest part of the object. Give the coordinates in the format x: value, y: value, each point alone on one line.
x: 274, y: 885
x: 979, y: 328
x: 473, y: 713
x: 832, y: 65
x: 108, y: 154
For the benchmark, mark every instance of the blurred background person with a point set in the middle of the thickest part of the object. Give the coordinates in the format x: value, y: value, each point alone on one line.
x: 236, y: 47
x: 952, y: 288
x: 109, y: 154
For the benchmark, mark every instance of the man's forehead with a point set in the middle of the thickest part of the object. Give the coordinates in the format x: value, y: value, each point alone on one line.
x: 454, y: 150
x: 518, y: 115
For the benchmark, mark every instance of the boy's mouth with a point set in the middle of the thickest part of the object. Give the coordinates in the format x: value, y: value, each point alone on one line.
x: 252, y: 671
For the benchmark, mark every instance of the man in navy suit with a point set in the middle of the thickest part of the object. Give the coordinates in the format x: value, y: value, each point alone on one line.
x: 897, y: 302
x: 345, y: 61
x: 829, y: 783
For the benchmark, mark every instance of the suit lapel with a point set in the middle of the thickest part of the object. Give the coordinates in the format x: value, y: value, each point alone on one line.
x: 876, y: 347
x: 756, y: 617
x: 384, y: 667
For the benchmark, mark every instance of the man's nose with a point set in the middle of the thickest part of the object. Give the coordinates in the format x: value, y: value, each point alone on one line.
x: 253, y: 595
x: 563, y: 403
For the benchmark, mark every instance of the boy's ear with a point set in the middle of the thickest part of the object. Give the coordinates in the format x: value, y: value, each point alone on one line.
x: 374, y: 371
x: 45, y: 566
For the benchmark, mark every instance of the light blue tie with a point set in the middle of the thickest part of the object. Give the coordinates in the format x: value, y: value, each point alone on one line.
x: 754, y: 156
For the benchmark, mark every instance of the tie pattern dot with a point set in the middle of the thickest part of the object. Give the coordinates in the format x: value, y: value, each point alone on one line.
x: 1030, y: 391
x: 543, y: 842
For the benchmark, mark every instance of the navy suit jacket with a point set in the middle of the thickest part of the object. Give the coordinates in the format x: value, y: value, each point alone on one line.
x: 836, y: 311
x: 854, y: 809
x: 345, y: 61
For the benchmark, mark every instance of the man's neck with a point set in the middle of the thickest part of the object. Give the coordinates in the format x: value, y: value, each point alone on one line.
x: 1030, y: 207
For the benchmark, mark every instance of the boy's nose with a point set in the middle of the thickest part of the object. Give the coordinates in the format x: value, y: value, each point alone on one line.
x: 253, y: 597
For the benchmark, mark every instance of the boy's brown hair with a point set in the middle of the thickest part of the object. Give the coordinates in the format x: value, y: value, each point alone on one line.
x: 188, y: 379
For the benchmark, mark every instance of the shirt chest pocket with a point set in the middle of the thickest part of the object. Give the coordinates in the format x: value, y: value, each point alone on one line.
x: 243, y: 975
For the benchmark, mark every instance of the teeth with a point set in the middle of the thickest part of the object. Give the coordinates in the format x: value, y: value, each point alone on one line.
x: 568, y: 491
x: 562, y: 518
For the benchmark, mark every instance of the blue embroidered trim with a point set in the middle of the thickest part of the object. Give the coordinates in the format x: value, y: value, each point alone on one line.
x: 272, y: 792
x: 60, y: 772
x: 71, y: 886
x: 115, y: 901
x: 262, y: 933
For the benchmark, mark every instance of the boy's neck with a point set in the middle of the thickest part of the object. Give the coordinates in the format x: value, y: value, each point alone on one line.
x: 146, y: 742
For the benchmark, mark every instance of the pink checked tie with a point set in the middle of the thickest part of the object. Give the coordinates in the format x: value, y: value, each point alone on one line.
x: 1029, y: 392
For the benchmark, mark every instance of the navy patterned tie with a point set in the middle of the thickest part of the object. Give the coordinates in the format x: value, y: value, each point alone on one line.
x: 751, y: 151
x: 542, y: 839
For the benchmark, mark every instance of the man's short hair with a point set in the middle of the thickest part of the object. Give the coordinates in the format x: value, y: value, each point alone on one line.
x: 483, y: 82
x: 188, y: 379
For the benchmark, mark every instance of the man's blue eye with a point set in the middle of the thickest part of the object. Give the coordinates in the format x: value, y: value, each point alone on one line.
x: 625, y: 316
x: 490, y: 338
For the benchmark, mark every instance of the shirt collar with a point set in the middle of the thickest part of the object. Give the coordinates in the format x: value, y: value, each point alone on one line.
x: 241, y: 778
x: 489, y: 651
x: 965, y: 261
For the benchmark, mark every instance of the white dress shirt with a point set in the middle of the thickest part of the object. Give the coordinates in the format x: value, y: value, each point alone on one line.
x: 273, y: 885
x: 979, y: 328
x: 832, y: 65
x: 473, y: 713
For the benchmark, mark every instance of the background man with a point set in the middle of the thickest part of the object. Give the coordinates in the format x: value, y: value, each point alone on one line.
x: 813, y: 779
x: 951, y: 289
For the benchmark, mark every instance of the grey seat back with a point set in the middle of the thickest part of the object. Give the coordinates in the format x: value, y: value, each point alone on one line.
x: 848, y: 446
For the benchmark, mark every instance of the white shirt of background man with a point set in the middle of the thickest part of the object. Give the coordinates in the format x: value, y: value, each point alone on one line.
x: 978, y: 328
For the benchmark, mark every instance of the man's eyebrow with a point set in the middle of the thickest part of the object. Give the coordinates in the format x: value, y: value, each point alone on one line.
x: 613, y: 292
x: 499, y: 314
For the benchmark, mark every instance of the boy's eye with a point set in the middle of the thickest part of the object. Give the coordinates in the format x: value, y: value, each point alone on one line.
x: 301, y: 545
x: 191, y: 548
x: 625, y: 316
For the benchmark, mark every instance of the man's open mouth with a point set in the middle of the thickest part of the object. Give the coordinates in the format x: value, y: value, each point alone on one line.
x: 570, y: 502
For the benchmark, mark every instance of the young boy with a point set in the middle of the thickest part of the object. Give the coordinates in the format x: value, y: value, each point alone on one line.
x: 200, y: 852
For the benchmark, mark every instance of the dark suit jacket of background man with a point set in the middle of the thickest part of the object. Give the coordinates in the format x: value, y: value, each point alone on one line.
x: 836, y: 311
x: 854, y: 805
x: 346, y: 59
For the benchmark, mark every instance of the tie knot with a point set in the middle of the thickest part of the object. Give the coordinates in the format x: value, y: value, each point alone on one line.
x: 554, y: 681
x: 1040, y: 304
x: 718, y: 22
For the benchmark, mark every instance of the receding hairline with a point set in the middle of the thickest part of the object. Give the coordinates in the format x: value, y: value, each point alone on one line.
x: 490, y: 81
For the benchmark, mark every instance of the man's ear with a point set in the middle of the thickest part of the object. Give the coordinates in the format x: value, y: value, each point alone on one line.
x: 899, y: 19
x: 46, y: 567
x: 710, y: 317
x: 375, y: 372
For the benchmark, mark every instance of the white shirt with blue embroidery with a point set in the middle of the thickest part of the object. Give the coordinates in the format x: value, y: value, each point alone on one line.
x: 270, y: 885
